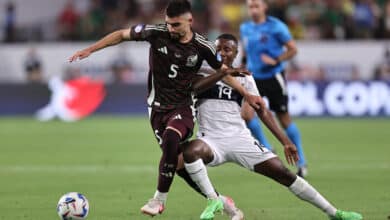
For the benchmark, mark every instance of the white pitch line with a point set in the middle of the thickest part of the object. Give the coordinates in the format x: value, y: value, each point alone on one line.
x: 78, y: 169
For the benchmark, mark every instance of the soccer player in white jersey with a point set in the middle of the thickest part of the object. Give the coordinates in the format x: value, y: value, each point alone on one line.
x: 224, y: 137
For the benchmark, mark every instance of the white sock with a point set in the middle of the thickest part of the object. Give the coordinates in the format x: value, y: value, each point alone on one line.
x: 306, y: 192
x: 161, y: 196
x: 198, y: 173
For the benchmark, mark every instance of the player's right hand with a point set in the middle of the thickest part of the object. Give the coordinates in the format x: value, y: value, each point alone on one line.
x: 291, y: 153
x: 268, y: 60
x: 79, y: 55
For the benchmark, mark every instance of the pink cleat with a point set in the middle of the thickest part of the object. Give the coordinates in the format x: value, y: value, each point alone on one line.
x: 153, y: 207
x: 230, y: 208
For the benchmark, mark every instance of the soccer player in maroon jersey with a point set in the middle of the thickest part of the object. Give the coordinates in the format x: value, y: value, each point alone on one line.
x: 176, y: 55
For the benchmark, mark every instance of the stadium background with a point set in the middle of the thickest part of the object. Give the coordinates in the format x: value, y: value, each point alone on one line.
x: 339, y: 87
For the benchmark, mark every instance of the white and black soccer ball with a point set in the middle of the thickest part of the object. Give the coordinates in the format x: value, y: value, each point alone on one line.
x: 73, y: 206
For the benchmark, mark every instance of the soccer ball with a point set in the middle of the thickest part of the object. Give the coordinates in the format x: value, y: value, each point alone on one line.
x: 73, y: 206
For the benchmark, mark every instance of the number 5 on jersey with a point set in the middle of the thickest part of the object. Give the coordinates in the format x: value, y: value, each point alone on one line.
x: 174, y: 69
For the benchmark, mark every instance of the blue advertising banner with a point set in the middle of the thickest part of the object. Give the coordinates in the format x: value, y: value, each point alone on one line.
x: 339, y: 98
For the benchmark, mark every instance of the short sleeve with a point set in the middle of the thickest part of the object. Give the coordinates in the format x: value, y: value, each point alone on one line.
x: 242, y: 30
x: 209, y: 52
x: 142, y: 32
x: 250, y: 85
x: 283, y: 34
x: 213, y: 58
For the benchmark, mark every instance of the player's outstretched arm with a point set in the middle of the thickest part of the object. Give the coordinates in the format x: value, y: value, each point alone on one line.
x: 207, y: 70
x: 252, y: 100
x: 109, y: 40
x: 205, y: 83
x: 290, y: 151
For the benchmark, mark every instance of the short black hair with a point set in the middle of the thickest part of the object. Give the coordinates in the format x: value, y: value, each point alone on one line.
x: 178, y: 7
x: 227, y: 36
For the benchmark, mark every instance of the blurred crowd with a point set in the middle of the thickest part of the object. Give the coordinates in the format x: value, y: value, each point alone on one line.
x: 335, y: 19
x: 307, y: 19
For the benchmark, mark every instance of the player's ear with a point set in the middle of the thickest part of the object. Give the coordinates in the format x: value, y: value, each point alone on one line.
x: 235, y: 49
x: 189, y: 18
x: 235, y: 52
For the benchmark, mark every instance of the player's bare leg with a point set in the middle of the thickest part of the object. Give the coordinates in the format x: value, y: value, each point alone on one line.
x: 197, y: 153
x: 274, y: 169
x: 292, y: 132
x: 197, y: 149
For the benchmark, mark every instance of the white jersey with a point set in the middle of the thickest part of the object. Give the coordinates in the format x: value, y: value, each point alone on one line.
x: 219, y: 110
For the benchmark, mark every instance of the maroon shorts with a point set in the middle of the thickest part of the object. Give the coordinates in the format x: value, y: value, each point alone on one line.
x: 182, y: 119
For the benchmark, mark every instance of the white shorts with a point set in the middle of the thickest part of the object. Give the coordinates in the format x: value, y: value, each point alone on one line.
x: 244, y: 151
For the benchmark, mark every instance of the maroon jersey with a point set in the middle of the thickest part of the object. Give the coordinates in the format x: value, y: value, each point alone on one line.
x: 173, y: 65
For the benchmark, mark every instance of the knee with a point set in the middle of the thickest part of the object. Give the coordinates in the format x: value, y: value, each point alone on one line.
x: 171, y: 141
x: 191, y: 153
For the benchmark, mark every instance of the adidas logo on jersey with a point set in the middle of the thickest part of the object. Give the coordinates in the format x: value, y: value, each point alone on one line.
x: 177, y: 117
x: 163, y: 50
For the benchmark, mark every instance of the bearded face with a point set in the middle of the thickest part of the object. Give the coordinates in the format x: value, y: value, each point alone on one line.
x: 179, y: 26
x: 175, y: 36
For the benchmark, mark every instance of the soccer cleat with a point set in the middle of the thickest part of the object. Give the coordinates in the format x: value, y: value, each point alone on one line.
x: 213, y: 206
x: 230, y: 209
x: 344, y: 215
x: 302, y: 171
x: 153, y: 207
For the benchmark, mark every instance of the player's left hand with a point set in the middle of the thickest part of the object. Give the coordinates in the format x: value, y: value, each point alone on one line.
x: 79, y: 55
x: 254, y: 101
x: 291, y: 153
x: 268, y: 60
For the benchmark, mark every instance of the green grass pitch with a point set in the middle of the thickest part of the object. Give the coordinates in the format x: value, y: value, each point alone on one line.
x: 113, y: 161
